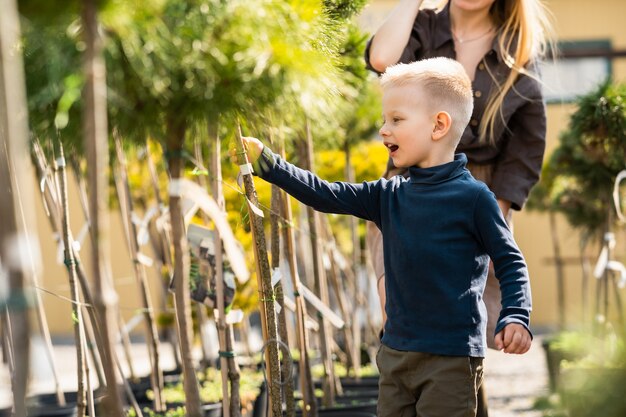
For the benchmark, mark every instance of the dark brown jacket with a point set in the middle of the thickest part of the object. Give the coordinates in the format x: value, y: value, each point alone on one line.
x: 514, y: 160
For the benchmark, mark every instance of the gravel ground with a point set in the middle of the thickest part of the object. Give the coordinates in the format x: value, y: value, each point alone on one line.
x: 513, y: 382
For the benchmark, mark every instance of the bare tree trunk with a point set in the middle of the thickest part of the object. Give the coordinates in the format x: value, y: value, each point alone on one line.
x: 201, y: 310
x: 230, y: 368
x: 321, y: 286
x: 77, y: 315
x: 309, y: 407
x: 560, y: 276
x: 202, y: 317
x: 95, y: 136
x: 125, y: 340
x: 175, y: 137
x: 586, y: 268
x: 18, y: 244
x: 280, y: 299
x: 152, y: 337
x: 7, y: 340
x: 266, y: 292
x: 339, y: 292
x: 161, y: 245
x: 91, y: 407
x: 354, y: 354
x: 53, y: 207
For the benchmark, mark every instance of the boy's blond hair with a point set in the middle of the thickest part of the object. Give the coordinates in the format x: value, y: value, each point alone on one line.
x: 445, y: 82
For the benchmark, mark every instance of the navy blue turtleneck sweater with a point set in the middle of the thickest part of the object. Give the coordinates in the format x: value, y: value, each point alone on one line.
x: 440, y: 226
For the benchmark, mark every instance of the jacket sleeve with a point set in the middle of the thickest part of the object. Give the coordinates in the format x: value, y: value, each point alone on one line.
x: 518, y: 167
x: 361, y: 200
x: 510, y: 266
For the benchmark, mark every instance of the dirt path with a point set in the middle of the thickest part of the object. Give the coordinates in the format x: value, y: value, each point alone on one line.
x: 513, y: 381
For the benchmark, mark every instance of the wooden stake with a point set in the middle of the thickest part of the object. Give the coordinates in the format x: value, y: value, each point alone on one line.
x: 175, y: 138
x: 354, y: 353
x: 309, y: 408
x: 231, y: 404
x: 286, y: 374
x: 52, y: 203
x: 77, y: 315
x: 267, y: 295
x: 152, y: 336
x: 321, y: 286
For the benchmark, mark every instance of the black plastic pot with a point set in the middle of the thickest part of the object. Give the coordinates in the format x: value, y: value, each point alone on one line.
x: 140, y: 390
x: 212, y: 410
x: 52, y: 410
x: 353, y: 401
x: 47, y: 405
x: 365, y: 392
x: 208, y: 410
x: 353, y: 383
x: 340, y: 412
x: 259, y: 409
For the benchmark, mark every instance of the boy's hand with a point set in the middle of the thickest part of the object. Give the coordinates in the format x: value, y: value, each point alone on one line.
x: 253, y: 148
x: 514, y: 338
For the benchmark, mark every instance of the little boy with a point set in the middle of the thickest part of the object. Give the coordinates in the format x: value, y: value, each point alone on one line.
x: 440, y: 227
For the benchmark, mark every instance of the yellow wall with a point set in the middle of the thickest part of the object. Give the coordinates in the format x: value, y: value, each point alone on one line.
x: 574, y: 20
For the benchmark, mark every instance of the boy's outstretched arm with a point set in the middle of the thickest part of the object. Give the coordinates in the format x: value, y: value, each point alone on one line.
x: 361, y: 200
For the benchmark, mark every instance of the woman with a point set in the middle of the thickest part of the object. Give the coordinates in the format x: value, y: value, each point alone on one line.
x: 498, y: 42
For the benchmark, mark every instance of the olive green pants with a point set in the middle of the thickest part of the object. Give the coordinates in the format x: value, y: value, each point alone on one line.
x: 414, y: 384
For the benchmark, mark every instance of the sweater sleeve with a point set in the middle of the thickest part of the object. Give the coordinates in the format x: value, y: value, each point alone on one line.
x: 360, y: 200
x: 510, y: 266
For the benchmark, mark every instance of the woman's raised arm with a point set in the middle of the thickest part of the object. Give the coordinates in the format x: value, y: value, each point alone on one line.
x: 393, y: 35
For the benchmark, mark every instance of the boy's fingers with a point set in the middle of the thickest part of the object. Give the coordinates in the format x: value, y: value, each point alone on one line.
x: 527, y: 343
x: 508, y: 335
x: 498, y: 340
x: 516, y: 340
x: 520, y: 343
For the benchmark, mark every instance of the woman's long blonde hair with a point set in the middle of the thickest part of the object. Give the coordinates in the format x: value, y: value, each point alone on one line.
x: 525, y: 33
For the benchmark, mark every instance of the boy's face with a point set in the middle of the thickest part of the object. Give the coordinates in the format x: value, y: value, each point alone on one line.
x: 407, y: 126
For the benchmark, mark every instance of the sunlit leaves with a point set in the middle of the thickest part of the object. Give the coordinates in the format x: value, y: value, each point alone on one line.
x: 578, y: 178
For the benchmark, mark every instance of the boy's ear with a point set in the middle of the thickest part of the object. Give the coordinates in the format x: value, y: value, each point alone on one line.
x: 441, y: 125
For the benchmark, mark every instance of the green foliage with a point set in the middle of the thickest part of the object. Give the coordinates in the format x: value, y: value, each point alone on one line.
x: 578, y: 178
x: 174, y: 412
x: 210, y: 58
x: 211, y: 387
x: 550, y: 406
x: 593, y: 374
x: 54, y: 80
x: 572, y: 345
x: 46, y: 11
x: 343, y: 9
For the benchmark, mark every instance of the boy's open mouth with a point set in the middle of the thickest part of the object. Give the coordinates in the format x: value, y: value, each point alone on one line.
x: 392, y: 148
